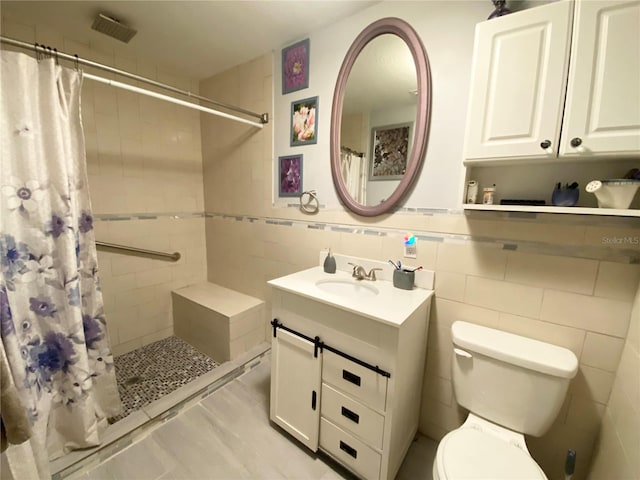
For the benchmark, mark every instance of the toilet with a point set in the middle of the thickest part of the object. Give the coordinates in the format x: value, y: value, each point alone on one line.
x: 512, y: 386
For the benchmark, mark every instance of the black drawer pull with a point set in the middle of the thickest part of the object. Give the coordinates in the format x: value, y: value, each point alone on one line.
x: 313, y: 400
x: 351, y: 377
x: 353, y: 416
x: 350, y: 450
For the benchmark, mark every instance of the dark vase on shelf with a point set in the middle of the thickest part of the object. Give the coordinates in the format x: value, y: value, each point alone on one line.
x: 500, y: 10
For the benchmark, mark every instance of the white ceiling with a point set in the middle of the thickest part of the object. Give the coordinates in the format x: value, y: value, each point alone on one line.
x: 195, y: 38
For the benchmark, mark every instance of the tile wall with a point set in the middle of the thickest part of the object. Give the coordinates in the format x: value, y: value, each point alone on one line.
x: 145, y: 174
x: 566, y: 280
x: 616, y: 452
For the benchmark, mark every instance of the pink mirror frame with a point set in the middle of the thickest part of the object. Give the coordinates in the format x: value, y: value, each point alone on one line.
x: 403, y: 30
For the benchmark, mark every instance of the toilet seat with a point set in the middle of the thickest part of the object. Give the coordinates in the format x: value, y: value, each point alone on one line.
x: 470, y: 453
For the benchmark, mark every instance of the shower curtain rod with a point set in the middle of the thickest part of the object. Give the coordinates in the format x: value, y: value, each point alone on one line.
x: 263, y: 117
x: 177, y: 101
x: 354, y: 152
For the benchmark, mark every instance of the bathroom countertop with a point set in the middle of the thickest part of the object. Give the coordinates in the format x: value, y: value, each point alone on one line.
x: 391, y: 305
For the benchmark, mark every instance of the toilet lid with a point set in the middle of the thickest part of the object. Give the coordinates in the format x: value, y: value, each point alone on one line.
x: 470, y: 453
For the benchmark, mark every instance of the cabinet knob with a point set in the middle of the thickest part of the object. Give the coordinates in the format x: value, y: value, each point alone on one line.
x: 545, y: 144
x: 576, y: 142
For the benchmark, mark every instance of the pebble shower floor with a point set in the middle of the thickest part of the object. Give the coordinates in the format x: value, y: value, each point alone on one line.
x: 150, y: 372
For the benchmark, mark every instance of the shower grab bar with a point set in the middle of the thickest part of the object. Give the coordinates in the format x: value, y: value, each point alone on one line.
x: 174, y: 257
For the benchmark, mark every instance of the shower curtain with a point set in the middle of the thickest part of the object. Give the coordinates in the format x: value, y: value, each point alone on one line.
x: 52, y: 321
x: 354, y: 173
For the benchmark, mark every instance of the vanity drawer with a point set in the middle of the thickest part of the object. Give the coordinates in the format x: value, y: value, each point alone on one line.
x: 349, y: 451
x: 355, y: 380
x: 352, y: 416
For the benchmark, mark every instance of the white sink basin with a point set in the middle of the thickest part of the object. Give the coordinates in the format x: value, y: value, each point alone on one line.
x: 378, y: 300
x: 348, y: 288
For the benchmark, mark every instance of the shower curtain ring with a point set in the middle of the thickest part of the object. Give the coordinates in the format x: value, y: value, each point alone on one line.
x: 55, y: 53
x: 77, y: 62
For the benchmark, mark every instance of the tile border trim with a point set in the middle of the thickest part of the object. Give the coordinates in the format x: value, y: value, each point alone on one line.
x: 604, y: 252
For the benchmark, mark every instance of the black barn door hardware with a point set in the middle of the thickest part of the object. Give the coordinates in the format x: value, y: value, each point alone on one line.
x: 355, y: 379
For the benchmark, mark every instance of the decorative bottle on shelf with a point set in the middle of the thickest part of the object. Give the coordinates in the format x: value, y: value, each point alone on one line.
x: 500, y: 9
x: 488, y: 194
x: 330, y: 263
x: 472, y: 191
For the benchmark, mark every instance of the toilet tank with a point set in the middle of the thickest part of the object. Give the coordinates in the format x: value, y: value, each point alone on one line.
x: 514, y: 381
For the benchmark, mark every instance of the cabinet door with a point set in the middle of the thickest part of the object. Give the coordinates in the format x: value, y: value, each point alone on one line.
x: 518, y: 84
x: 295, y: 387
x: 603, y: 96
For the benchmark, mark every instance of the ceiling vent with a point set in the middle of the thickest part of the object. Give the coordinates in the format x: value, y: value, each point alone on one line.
x: 113, y: 27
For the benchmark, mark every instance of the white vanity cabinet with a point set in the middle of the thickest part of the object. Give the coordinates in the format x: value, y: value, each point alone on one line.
x: 524, y: 64
x: 369, y: 383
x: 295, y: 387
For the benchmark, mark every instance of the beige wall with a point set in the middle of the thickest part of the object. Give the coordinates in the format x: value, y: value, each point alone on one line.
x: 354, y: 132
x: 144, y: 160
x: 566, y: 282
x: 616, y: 453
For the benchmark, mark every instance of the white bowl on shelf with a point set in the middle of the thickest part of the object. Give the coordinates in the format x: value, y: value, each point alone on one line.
x: 614, y: 193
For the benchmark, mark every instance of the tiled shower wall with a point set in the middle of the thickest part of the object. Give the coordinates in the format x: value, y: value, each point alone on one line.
x: 568, y: 280
x: 145, y: 179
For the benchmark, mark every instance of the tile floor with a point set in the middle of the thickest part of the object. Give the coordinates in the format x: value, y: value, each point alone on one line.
x: 151, y: 372
x: 228, y: 435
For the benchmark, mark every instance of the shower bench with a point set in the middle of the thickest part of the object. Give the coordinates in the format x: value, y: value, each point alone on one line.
x: 219, y: 322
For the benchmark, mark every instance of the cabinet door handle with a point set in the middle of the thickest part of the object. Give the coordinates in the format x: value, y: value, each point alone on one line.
x: 576, y: 142
x: 351, y: 377
x: 353, y: 416
x: 350, y: 450
x: 313, y: 400
x: 545, y: 144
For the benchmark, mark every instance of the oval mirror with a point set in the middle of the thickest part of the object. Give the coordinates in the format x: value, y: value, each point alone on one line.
x: 380, y: 117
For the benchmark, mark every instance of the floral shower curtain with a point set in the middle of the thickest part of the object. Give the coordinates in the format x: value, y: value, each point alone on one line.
x: 52, y: 321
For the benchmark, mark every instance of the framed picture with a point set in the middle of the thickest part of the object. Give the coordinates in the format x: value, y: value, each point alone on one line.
x: 389, y: 151
x: 290, y: 176
x: 295, y: 67
x: 304, y: 122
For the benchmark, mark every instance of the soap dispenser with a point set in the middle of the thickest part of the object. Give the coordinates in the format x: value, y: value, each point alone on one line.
x: 330, y: 263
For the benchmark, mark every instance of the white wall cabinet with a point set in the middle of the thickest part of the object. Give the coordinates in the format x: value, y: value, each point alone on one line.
x: 524, y: 64
x: 366, y: 419
x: 518, y: 84
x: 602, y: 113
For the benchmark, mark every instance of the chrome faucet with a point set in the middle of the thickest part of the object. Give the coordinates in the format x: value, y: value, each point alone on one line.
x: 358, y: 271
x: 361, y: 274
x: 372, y: 274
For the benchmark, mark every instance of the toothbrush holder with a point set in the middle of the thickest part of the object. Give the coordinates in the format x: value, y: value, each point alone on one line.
x: 403, y: 279
x: 565, y: 197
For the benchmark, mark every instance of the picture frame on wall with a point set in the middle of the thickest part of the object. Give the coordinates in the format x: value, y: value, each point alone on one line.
x: 389, y: 151
x: 290, y: 176
x: 295, y: 67
x: 304, y: 122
